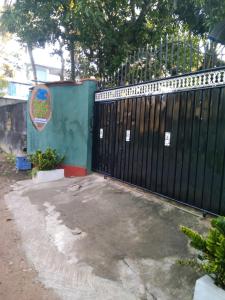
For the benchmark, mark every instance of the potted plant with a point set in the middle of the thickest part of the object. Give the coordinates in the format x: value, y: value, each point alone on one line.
x: 210, y: 260
x: 45, y: 165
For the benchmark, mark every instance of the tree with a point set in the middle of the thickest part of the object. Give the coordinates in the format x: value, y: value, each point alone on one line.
x: 22, y: 19
x: 200, y: 15
x: 110, y: 30
x: 64, y: 12
x: 60, y: 52
x: 39, y: 22
x: 103, y: 33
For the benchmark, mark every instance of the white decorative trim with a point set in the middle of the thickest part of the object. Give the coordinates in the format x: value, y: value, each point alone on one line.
x: 199, y: 80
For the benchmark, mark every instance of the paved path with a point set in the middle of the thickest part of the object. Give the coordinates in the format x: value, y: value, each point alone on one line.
x: 91, y: 238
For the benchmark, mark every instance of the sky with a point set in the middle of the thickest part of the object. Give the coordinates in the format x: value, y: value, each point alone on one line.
x: 41, y: 56
x: 2, y: 2
x: 44, y: 57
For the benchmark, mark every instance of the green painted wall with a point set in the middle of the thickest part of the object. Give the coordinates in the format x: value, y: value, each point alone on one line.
x: 70, y: 129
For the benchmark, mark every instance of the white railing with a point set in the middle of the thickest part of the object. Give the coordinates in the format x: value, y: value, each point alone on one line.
x: 170, y: 85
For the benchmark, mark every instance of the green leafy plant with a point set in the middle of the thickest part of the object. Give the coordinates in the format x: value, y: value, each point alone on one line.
x: 211, y: 250
x: 47, y: 160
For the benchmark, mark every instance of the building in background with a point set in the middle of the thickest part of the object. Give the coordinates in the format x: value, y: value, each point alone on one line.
x: 18, y: 86
x: 15, y: 67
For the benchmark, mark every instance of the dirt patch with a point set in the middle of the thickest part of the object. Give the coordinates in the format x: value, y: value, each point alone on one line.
x: 18, y: 279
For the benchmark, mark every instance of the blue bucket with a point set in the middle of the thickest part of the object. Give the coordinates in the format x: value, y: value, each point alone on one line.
x: 22, y: 163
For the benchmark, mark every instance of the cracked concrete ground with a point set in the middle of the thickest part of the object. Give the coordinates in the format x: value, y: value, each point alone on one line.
x: 91, y: 238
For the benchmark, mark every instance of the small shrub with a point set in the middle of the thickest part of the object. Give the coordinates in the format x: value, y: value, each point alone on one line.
x: 47, y: 160
x: 211, y: 250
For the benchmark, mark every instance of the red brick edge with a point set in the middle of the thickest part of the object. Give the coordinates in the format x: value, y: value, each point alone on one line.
x: 72, y: 171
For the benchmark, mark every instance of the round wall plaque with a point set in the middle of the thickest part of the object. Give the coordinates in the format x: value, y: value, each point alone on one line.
x: 40, y: 106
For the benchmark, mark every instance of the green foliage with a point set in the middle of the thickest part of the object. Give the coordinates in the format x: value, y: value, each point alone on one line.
x: 211, y: 257
x: 47, y: 160
x: 104, y: 33
x: 200, y: 15
x: 212, y: 10
x: 197, y: 241
x: 39, y: 22
x: 23, y: 19
x: 169, y: 57
x: 111, y: 30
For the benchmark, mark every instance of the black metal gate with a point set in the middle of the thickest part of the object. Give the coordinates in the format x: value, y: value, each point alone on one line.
x: 167, y: 137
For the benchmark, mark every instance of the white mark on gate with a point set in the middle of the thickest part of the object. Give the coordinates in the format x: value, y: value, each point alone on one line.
x: 101, y: 133
x: 167, y: 139
x: 127, y: 135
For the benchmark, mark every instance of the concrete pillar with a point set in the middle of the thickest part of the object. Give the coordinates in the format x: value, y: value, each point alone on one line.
x: 66, y: 123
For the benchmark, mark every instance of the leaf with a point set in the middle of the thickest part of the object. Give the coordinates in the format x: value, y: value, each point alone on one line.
x: 47, y: 160
x: 219, y: 224
x: 212, y: 249
x: 197, y: 240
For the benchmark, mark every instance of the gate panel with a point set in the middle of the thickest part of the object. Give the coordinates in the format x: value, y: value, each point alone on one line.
x: 153, y: 137
x: 167, y: 150
x: 118, y: 132
x: 132, y: 139
x: 194, y: 148
x: 155, y: 145
x: 123, y: 138
x: 180, y: 138
x: 202, y: 147
x: 136, y: 176
x: 222, y: 187
x: 145, y: 148
x: 188, y: 131
x: 161, y: 139
x: 104, y: 137
x: 218, y: 159
x: 169, y: 143
x: 128, y: 118
x: 173, y: 147
x: 149, y: 159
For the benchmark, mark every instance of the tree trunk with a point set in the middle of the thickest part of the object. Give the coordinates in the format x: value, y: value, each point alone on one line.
x: 133, y: 14
x: 30, y: 51
x: 100, y: 64
x: 72, y: 61
x: 62, y: 71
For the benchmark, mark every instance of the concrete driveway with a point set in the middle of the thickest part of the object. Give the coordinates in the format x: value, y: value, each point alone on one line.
x: 91, y: 238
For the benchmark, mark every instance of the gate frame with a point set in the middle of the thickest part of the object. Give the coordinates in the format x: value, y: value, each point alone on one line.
x: 201, y: 80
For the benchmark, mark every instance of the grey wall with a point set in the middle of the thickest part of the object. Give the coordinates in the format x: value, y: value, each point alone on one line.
x: 7, y: 101
x: 13, y: 127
